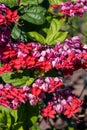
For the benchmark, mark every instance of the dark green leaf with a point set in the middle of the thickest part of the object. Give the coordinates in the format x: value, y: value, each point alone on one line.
x: 35, y: 15
x: 26, y: 113
x: 16, y: 32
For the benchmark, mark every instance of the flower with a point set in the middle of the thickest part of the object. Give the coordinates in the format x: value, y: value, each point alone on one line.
x: 36, y: 91
x: 72, y: 107
x: 11, y: 16
x: 48, y: 111
x: 12, y: 97
x: 2, y: 19
x: 71, y: 8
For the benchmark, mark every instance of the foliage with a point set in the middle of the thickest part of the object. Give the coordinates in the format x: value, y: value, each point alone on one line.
x: 35, y: 58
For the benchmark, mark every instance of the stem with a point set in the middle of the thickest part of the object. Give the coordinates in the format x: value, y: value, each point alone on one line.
x: 18, y: 2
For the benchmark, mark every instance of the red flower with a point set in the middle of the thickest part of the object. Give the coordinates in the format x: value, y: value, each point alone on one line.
x: 44, y: 65
x: 70, y: 110
x: 73, y: 107
x: 25, y: 48
x: 30, y: 61
x: 36, y: 91
x: 6, y: 68
x: 48, y: 111
x: 11, y: 16
x: 54, y: 86
x: 19, y: 63
x: 9, y: 53
x: 2, y: 19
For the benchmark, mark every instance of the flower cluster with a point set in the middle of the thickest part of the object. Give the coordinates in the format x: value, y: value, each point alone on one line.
x: 42, y: 86
x: 11, y: 96
x: 71, y: 8
x: 7, y: 16
x: 62, y: 103
x: 67, y: 57
x: 57, y: 98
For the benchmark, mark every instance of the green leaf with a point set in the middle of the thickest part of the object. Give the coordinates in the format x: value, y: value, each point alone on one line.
x: 5, y: 118
x: 13, y: 113
x: 35, y: 128
x: 10, y: 3
x: 16, y: 79
x: 36, y: 36
x: 35, y: 15
x: 34, y: 119
x: 31, y: 2
x: 29, y: 81
x: 8, y: 120
x: 52, y: 2
x: 26, y: 113
x: 53, y: 34
x: 0, y: 64
x: 70, y: 128
x: 17, y: 33
x: 54, y: 27
x: 18, y: 126
x: 59, y: 37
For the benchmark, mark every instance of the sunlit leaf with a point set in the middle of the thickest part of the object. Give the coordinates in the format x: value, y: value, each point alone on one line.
x: 16, y: 79
x: 10, y: 3
x: 37, y: 37
x: 34, y: 2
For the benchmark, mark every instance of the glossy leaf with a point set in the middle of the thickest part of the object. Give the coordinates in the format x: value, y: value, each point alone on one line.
x: 35, y: 15
x: 17, y: 33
